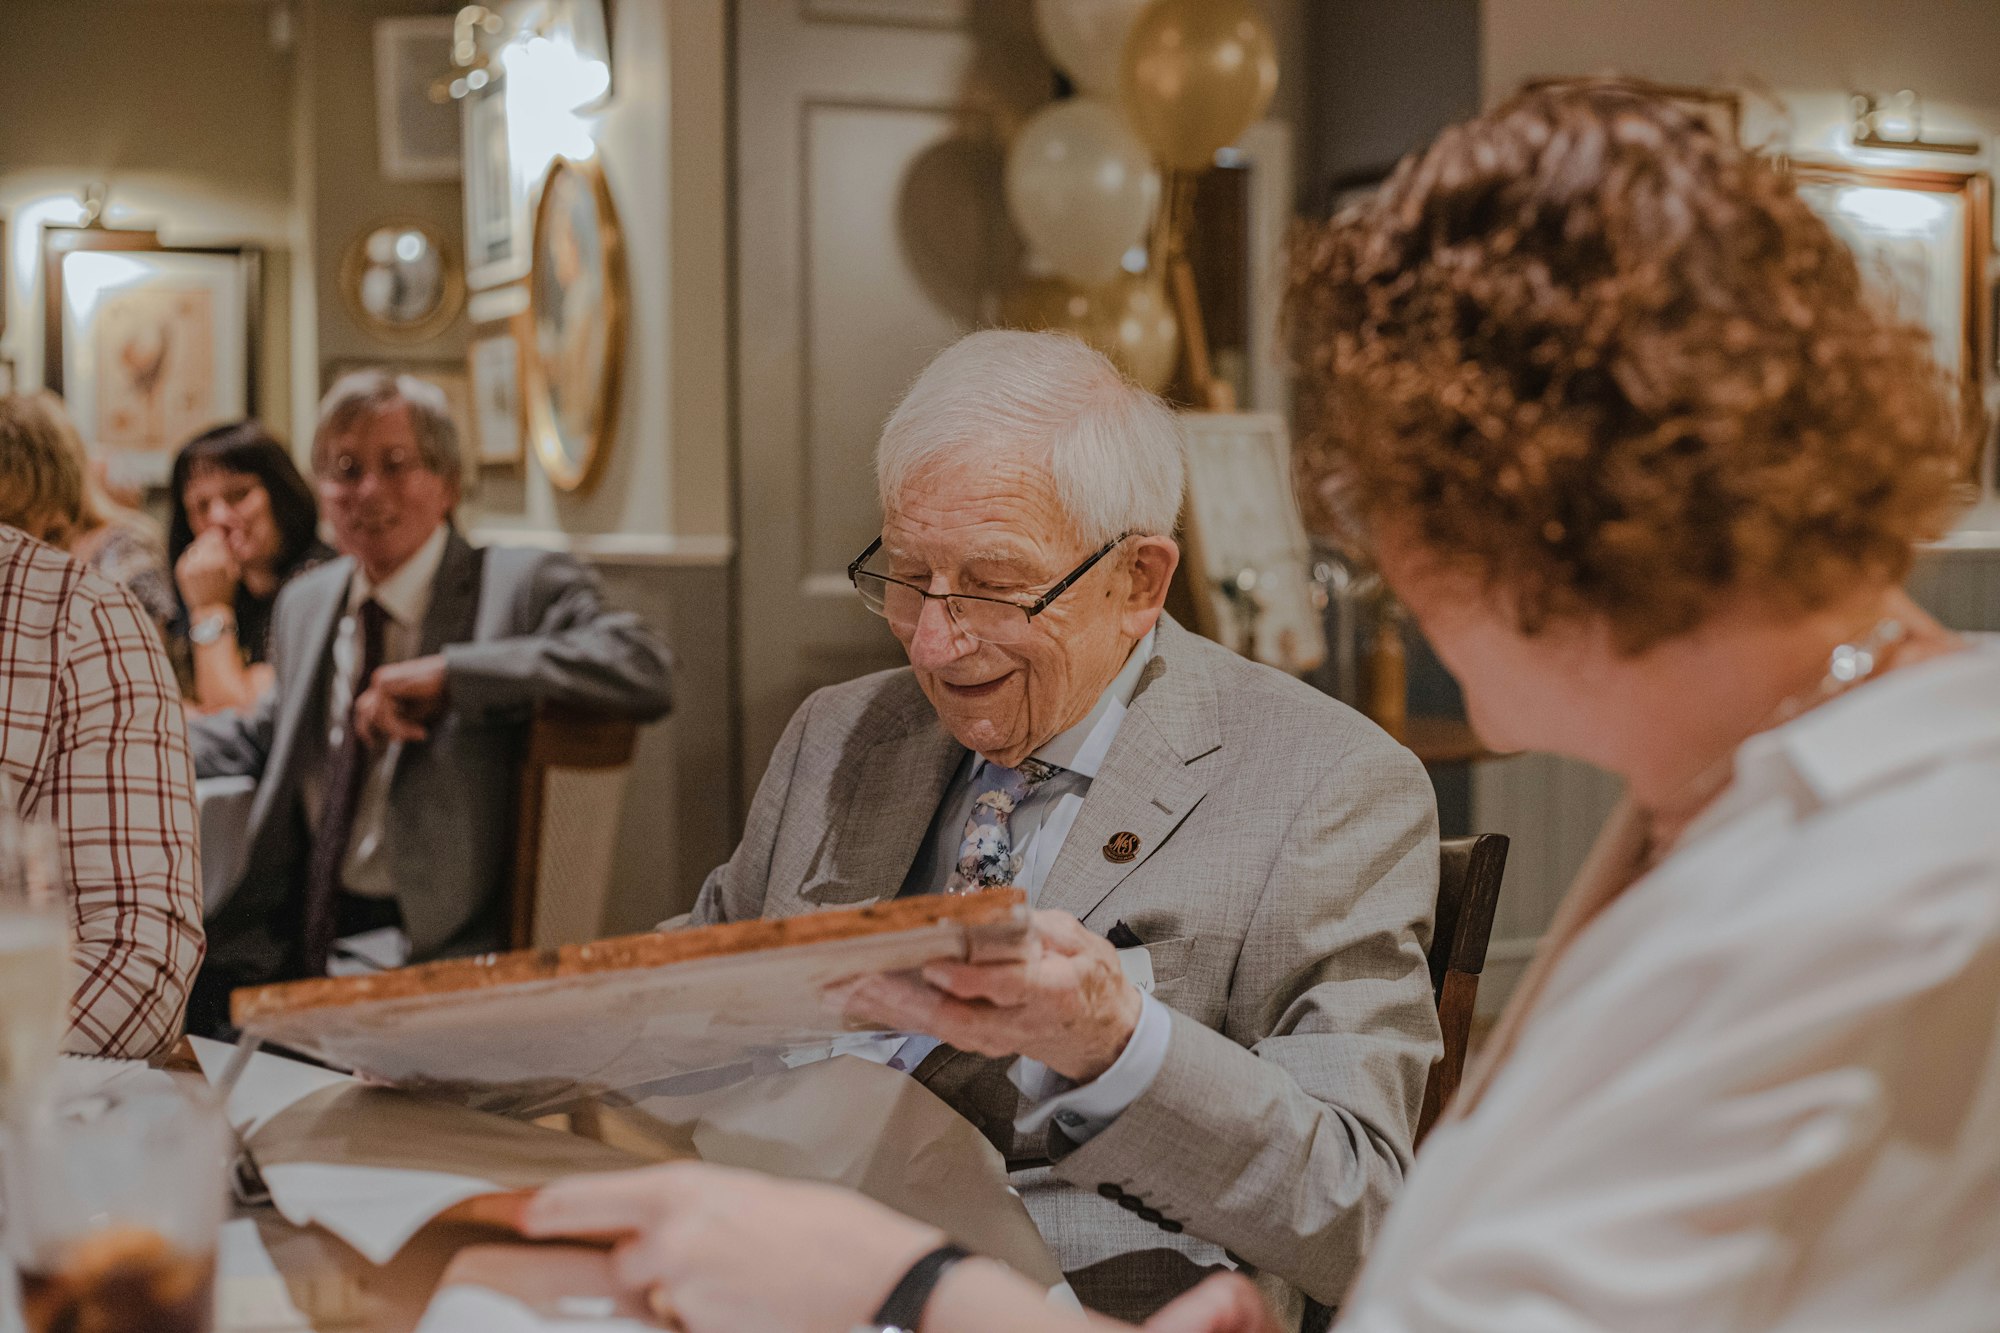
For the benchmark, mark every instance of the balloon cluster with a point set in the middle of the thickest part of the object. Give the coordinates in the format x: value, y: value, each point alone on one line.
x: 1160, y: 84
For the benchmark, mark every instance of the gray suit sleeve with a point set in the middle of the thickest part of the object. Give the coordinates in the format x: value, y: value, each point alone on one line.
x: 1284, y: 1137
x: 734, y: 890
x: 571, y: 650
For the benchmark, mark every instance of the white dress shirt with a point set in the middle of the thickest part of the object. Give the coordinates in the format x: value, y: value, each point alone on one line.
x: 1762, y: 1089
x: 1037, y: 829
x: 406, y: 596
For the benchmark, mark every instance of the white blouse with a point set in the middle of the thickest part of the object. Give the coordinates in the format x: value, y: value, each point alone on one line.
x: 1762, y: 1090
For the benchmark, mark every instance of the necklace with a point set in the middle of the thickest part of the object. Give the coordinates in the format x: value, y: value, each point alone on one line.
x: 1850, y: 664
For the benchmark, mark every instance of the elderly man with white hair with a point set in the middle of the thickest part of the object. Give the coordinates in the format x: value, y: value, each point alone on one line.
x: 1217, y: 1050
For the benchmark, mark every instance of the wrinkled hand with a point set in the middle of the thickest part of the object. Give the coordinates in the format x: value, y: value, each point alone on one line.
x: 401, y: 701
x: 1068, y: 1004
x: 730, y: 1250
x: 1225, y: 1303
x: 206, y: 573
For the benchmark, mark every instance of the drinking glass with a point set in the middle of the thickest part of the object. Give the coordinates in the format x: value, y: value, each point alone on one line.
x: 114, y: 1203
x: 34, y: 957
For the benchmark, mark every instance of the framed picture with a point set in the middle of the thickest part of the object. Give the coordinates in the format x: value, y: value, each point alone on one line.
x: 576, y: 315
x: 448, y: 378
x: 1245, y: 548
x: 493, y: 363
x: 416, y: 139
x: 496, y: 199
x: 1923, y: 237
x: 148, y: 344
x: 1721, y: 109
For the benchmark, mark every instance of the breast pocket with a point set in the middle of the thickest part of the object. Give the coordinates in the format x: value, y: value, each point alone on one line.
x: 1170, y: 959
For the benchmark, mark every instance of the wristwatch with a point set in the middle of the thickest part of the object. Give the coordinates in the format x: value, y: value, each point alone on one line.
x: 211, y: 627
x: 904, y: 1309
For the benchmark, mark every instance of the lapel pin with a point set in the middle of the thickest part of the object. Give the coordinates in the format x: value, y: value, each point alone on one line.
x: 1122, y: 848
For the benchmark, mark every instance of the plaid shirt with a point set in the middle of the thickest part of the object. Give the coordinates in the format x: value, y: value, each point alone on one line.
x: 91, y: 735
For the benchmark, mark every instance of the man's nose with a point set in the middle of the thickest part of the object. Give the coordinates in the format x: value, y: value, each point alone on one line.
x: 938, y: 641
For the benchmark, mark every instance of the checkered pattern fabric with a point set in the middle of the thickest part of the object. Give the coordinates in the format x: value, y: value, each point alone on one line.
x: 92, y: 737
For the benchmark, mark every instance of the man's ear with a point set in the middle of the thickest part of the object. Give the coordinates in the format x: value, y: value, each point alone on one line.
x: 1150, y: 568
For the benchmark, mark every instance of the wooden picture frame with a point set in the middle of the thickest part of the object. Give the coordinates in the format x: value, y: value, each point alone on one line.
x: 575, y: 361
x: 149, y: 343
x: 416, y: 139
x: 494, y: 367
x: 1924, y: 237
x: 1721, y: 109
x: 1244, y: 545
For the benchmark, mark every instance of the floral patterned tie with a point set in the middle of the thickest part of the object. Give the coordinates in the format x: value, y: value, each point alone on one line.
x: 987, y: 859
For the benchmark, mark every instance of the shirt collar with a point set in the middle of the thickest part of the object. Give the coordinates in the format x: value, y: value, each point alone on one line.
x: 1909, y: 719
x: 405, y: 594
x: 1082, y: 748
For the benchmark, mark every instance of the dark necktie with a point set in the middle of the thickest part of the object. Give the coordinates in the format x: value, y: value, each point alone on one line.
x: 346, y: 774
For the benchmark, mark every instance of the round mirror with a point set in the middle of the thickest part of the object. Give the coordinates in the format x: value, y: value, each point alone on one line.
x: 401, y: 281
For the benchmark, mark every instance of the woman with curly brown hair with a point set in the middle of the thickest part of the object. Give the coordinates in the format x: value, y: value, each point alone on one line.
x: 1613, y: 412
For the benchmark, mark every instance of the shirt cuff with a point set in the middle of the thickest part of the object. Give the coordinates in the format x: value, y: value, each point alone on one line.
x: 1083, y: 1111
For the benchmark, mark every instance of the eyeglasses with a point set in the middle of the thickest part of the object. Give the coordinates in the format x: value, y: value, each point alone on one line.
x: 347, y: 470
x: 987, y: 619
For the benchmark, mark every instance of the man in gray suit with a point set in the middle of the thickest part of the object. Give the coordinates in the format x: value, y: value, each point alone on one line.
x: 1238, y: 1083
x: 386, y: 754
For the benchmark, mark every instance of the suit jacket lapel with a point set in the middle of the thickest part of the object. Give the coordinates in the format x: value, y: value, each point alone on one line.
x: 306, y: 702
x: 1148, y: 783
x: 896, y: 789
x: 454, y: 611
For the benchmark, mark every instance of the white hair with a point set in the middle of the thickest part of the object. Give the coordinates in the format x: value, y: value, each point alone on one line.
x: 1113, y: 450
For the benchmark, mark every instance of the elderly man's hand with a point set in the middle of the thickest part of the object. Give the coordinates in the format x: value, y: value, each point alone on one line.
x: 726, y: 1250
x: 1226, y: 1303
x: 401, y: 701
x: 1068, y: 1004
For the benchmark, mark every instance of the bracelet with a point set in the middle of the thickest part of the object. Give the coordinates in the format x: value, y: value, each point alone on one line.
x: 904, y: 1309
x: 211, y: 627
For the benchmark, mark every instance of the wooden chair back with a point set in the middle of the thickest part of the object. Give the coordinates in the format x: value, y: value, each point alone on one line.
x: 571, y: 789
x: 1469, y: 873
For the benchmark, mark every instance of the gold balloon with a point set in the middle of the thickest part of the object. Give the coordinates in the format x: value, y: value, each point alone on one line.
x: 1129, y: 319
x: 1197, y: 74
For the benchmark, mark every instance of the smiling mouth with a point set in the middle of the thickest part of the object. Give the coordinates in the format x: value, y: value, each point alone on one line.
x: 980, y: 690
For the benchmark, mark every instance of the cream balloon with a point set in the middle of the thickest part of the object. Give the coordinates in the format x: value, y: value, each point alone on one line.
x: 1128, y: 319
x: 1197, y: 73
x: 1081, y: 188
x: 1086, y: 39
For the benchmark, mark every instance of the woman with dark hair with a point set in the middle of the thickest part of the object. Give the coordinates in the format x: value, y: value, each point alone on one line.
x: 244, y: 523
x: 1623, y: 427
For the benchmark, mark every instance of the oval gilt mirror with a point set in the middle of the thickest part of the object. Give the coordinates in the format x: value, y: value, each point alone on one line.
x: 576, y: 311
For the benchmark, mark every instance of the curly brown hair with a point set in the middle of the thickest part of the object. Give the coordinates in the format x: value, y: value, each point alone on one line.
x: 1615, y: 368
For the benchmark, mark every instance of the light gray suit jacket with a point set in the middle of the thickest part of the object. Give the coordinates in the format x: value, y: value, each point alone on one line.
x: 516, y: 627
x: 1285, y: 882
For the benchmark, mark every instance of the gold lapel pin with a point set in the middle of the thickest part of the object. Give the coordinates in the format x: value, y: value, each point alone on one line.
x: 1122, y: 848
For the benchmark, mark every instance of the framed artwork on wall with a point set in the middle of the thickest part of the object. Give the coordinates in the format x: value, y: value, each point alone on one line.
x: 1721, y: 109
x: 147, y: 343
x: 1244, y: 545
x: 1923, y: 238
x: 493, y: 363
x: 496, y: 200
x: 576, y: 316
x: 416, y: 138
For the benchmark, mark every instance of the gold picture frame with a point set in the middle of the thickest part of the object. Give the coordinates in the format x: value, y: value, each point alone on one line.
x: 495, y: 359
x: 574, y: 360
x: 362, y: 264
x: 1933, y: 260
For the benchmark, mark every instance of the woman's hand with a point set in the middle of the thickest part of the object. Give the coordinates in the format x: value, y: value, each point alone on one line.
x: 722, y: 1250
x: 207, y: 574
x: 1225, y: 1303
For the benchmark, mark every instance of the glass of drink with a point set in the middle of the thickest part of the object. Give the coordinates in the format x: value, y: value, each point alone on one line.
x: 34, y: 957
x: 114, y: 1204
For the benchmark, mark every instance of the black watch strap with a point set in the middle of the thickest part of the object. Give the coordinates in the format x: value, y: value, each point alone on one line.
x: 905, y: 1306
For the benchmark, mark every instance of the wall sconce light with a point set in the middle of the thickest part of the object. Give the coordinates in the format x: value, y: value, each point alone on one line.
x: 473, y: 64
x: 1897, y: 122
